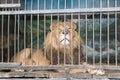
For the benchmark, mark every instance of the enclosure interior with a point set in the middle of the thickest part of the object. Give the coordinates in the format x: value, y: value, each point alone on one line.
x: 98, y: 24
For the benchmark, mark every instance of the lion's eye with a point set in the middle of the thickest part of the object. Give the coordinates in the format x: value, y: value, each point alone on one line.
x: 69, y: 28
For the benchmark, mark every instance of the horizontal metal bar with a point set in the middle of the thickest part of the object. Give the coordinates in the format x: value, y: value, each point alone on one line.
x: 14, y: 5
x: 60, y: 11
x: 17, y: 66
x: 51, y: 75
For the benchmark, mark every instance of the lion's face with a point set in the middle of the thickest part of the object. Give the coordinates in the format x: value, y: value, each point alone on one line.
x: 63, y: 32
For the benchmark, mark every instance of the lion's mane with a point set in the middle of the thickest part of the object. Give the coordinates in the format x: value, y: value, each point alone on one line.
x: 67, y: 54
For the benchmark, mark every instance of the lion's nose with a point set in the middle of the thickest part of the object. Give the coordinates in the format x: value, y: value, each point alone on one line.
x: 65, y: 33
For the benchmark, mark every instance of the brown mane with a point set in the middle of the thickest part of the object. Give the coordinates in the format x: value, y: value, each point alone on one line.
x: 65, y: 54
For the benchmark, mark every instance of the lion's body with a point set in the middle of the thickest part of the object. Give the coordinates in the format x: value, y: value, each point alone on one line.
x: 62, y: 46
x: 57, y: 48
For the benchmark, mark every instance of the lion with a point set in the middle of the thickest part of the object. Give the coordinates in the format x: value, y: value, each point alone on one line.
x: 62, y: 46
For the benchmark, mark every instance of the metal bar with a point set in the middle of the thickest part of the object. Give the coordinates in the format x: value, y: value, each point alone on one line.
x: 31, y: 22
x: 51, y: 4
x: 25, y: 7
x: 65, y: 4
x: 58, y: 4
x: 18, y: 34
x: 15, y: 5
x: 79, y: 56
x: 8, y: 39
x: 38, y: 7
x: 116, y: 41
x: 72, y: 56
x: 38, y: 39
x: 115, y: 3
x: 45, y: 35
x: 64, y: 41
x: 64, y: 31
x: 60, y: 11
x: 108, y: 3
x: 108, y: 39
x: 31, y: 4
x: 51, y: 40
x: 116, y: 36
x: 2, y: 37
x: 25, y: 36
x: 44, y: 4
x: 58, y: 20
x: 86, y: 32
x: 100, y: 38
x: 15, y: 38
x: 93, y: 38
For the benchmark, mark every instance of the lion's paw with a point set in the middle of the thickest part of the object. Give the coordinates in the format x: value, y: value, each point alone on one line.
x: 96, y: 71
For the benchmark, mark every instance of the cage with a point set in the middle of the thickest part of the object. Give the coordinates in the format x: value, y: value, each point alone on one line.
x: 26, y: 24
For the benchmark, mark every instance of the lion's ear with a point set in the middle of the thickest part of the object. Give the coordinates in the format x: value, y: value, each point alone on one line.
x: 72, y: 24
x: 53, y: 26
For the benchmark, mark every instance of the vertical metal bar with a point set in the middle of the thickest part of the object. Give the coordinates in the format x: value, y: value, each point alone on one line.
x: 108, y: 3
x: 79, y: 56
x: 86, y: 4
x: 5, y: 3
x: 72, y: 34
x: 25, y: 34
x: 72, y: 40
x: 51, y: 4
x: 86, y: 37
x: 79, y: 52
x: 115, y: 3
x: 64, y: 41
x: 25, y: 8
x: 15, y: 39
x: 38, y: 38
x: 71, y: 4
x: 100, y: 30
x: 44, y: 4
x: 58, y: 35
x: 108, y: 56
x: 38, y: 4
x: 31, y: 21
x: 51, y: 35
x: 79, y: 4
x: 93, y: 38
x: 93, y: 23
x: 45, y: 28
x: 116, y: 36
x: 51, y: 41
x: 58, y: 4
x: 31, y: 4
x: 58, y: 39
x: 108, y: 38
x: 65, y: 4
x: 8, y: 39
x: 64, y: 36
x: 2, y: 36
x: 12, y: 1
x: 100, y: 38
x: 116, y: 41
x: 18, y: 31
x: 100, y: 3
x: 45, y: 34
